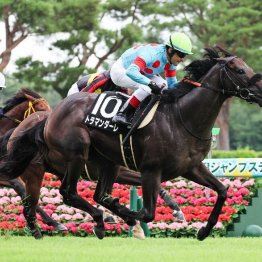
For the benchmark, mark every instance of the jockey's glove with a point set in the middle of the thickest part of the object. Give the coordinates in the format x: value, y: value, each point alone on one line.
x: 155, y: 88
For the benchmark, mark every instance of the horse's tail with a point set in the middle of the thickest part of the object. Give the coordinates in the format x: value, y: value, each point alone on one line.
x: 24, y: 148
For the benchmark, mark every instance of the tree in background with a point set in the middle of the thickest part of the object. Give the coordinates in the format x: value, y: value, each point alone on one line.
x: 22, y: 18
x: 88, y: 44
x: 233, y: 24
x: 245, y: 126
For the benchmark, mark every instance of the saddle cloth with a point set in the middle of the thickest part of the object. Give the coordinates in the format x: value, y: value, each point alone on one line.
x: 106, y: 105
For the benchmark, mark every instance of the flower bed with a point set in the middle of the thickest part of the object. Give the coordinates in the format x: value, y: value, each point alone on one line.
x: 195, y: 201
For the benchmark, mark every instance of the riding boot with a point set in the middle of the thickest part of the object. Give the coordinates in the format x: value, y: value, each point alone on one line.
x: 124, y: 114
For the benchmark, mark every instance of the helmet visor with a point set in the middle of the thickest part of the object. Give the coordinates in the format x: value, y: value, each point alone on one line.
x: 179, y: 53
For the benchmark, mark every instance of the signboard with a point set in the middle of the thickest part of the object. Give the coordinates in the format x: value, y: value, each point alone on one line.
x: 235, y: 167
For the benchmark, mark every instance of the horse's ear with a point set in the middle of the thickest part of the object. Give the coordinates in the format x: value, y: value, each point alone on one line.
x: 223, y: 60
x: 225, y: 52
x: 30, y: 98
x: 220, y: 60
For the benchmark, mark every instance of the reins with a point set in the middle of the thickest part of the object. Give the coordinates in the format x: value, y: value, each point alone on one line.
x: 196, y: 84
x: 188, y: 130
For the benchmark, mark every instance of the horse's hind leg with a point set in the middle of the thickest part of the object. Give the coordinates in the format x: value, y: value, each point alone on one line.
x: 68, y: 190
x: 203, y: 176
x: 19, y: 188
x: 151, y: 180
x: 29, y: 201
x: 33, y: 182
x: 107, y: 172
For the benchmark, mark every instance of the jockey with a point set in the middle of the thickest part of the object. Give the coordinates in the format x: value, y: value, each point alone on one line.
x: 2, y: 81
x: 139, y: 67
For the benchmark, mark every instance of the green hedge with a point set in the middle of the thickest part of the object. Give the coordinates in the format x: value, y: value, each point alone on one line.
x: 240, y: 153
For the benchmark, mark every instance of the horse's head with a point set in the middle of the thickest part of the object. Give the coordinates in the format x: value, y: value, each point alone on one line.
x: 36, y: 104
x: 238, y: 79
x: 24, y: 103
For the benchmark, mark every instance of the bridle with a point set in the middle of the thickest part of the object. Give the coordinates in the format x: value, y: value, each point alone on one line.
x: 30, y: 110
x: 240, y: 90
x: 240, y: 86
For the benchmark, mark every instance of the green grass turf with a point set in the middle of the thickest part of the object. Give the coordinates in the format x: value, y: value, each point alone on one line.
x: 65, y: 249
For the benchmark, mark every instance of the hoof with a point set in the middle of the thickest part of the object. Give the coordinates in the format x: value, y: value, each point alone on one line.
x: 37, y: 234
x: 60, y: 227
x: 110, y: 220
x: 99, y: 232
x: 138, y: 232
x: 130, y: 222
x: 202, y: 233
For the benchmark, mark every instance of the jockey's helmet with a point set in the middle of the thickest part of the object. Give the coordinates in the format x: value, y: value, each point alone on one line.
x: 2, y: 81
x: 181, y: 42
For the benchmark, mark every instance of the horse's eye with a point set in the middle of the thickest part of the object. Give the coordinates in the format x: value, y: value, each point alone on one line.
x: 241, y: 71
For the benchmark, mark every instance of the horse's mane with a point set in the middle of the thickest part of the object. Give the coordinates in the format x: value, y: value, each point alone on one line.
x: 19, y: 98
x: 194, y: 71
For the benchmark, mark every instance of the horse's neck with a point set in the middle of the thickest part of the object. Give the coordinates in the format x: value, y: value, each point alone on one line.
x: 199, y: 110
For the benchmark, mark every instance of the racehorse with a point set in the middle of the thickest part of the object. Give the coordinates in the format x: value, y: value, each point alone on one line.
x: 34, y: 175
x: 173, y: 144
x: 24, y: 103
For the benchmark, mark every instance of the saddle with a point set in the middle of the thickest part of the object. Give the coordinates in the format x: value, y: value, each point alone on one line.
x: 99, y: 83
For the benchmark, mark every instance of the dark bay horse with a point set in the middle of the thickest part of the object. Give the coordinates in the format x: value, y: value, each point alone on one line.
x: 24, y: 103
x: 173, y: 144
x: 34, y: 173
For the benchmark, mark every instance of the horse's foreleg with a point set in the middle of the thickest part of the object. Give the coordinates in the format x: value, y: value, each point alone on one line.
x: 150, y: 185
x: 107, y: 175
x: 204, y: 177
x: 68, y: 190
x: 177, y: 212
x: 126, y: 176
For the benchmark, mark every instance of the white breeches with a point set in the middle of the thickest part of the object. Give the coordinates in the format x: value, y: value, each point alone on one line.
x: 119, y: 77
x: 73, y: 89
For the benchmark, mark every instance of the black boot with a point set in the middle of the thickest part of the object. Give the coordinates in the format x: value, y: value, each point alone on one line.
x: 122, y: 116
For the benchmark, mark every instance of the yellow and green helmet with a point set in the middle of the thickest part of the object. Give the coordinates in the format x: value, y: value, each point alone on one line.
x: 181, y: 42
